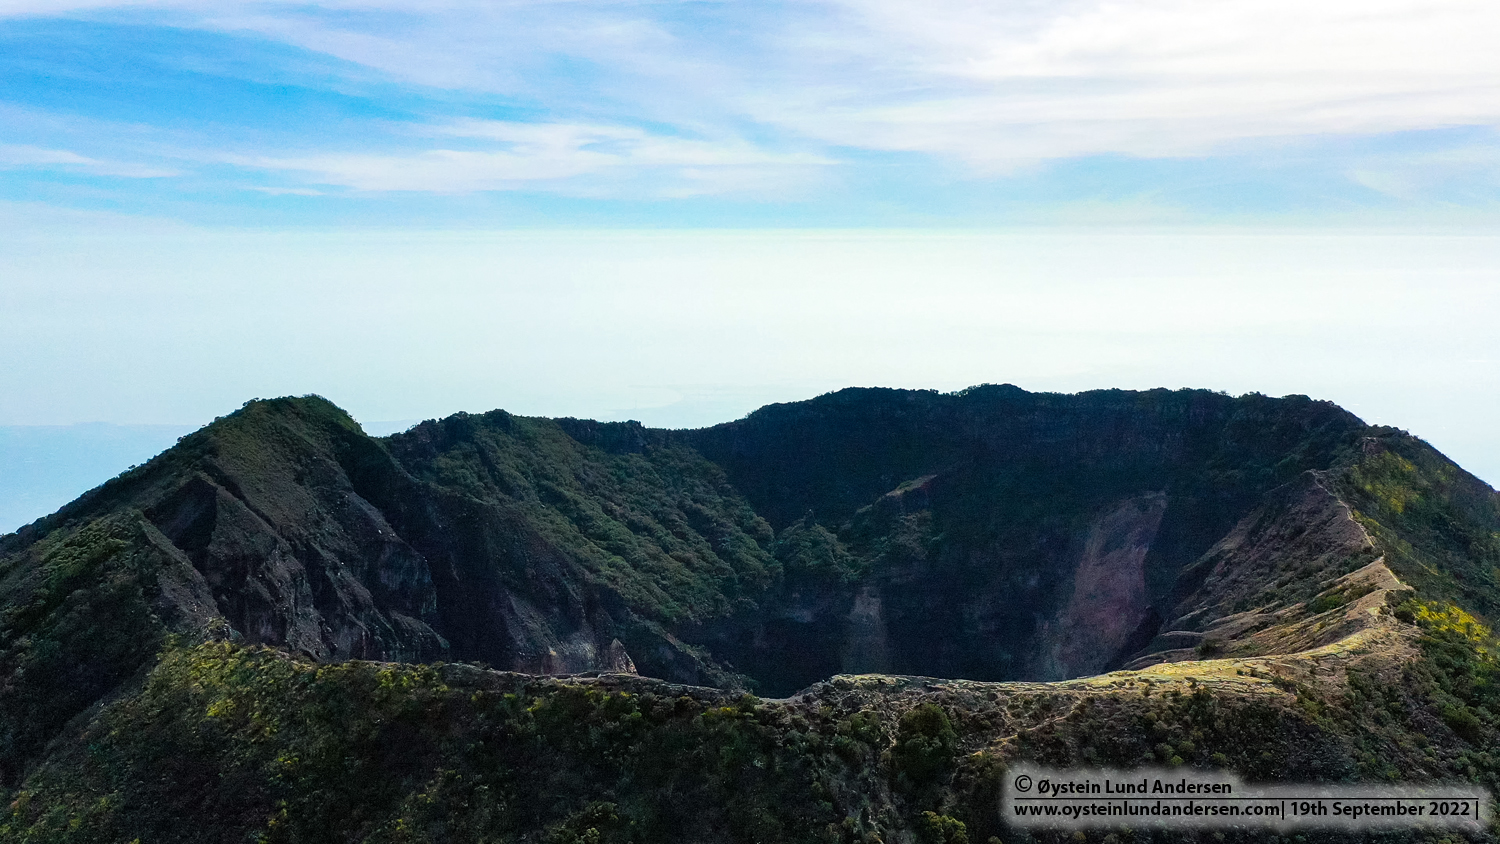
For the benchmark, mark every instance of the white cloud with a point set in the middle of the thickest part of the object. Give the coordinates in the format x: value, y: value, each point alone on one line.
x: 554, y: 155
x: 1471, y: 170
x: 14, y: 156
x: 991, y: 84
x: 43, y: 220
x: 285, y: 191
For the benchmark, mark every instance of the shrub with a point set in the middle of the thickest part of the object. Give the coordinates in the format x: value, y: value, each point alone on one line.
x: 925, y: 742
x: 941, y: 829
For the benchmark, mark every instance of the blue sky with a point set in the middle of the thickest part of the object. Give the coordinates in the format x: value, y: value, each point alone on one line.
x: 839, y: 113
x: 678, y: 211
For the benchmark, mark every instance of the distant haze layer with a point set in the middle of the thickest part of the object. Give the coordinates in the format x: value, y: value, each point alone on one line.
x: 174, y: 326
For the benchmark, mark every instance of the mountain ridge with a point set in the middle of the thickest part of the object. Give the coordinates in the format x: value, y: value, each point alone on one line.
x: 535, y: 482
x: 991, y: 537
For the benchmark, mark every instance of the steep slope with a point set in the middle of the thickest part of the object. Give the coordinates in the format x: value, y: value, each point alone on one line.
x: 258, y: 745
x: 509, y: 542
x: 283, y: 547
x: 990, y: 535
x: 551, y: 539
x: 998, y: 534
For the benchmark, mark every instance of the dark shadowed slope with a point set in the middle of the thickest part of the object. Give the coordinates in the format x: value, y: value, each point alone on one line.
x: 1000, y: 534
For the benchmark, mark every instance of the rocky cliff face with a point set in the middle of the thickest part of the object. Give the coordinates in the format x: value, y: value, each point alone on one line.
x: 998, y: 534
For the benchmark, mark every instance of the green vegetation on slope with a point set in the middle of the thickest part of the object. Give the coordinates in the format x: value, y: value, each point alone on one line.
x: 948, y: 525
x: 1438, y: 526
x: 653, y: 522
x: 732, y: 556
x: 226, y: 743
x: 79, y: 624
x: 250, y: 742
x: 1441, y: 713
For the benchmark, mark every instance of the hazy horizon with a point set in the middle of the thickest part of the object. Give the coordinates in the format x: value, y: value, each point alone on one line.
x: 683, y: 210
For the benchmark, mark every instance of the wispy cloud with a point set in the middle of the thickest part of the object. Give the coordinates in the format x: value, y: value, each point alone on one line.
x: 1460, y: 173
x: 612, y: 98
x: 531, y: 155
x: 992, y: 83
x: 981, y: 82
x: 30, y: 157
x: 271, y: 191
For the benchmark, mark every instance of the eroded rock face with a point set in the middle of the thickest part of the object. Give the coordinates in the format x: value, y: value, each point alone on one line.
x: 325, y: 576
x: 1109, y: 600
x: 1001, y: 535
x: 1256, y: 590
x: 867, y: 648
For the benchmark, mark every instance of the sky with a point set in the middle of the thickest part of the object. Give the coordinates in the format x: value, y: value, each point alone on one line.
x: 548, y: 113
x: 678, y: 211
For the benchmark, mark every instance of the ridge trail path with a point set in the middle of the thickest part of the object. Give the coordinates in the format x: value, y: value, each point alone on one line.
x: 1376, y: 636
